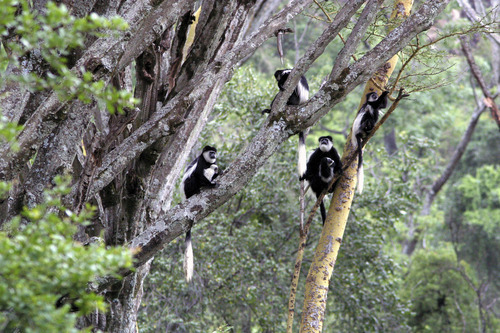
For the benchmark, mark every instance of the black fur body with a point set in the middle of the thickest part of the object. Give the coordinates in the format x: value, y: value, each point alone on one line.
x: 323, y: 164
x: 194, y: 177
x: 299, y: 95
x: 364, y: 123
x: 200, y: 173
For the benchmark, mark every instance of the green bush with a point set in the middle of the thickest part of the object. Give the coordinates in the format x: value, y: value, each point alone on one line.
x: 40, y: 263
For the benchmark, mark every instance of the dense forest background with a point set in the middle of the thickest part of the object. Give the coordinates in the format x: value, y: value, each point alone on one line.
x: 409, y: 260
x: 398, y: 270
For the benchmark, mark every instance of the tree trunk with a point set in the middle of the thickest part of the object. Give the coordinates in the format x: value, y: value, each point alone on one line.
x: 142, y: 192
x: 127, y: 165
x: 320, y: 272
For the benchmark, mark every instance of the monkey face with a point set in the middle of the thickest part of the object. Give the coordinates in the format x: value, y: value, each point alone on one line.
x: 371, y: 97
x: 325, y: 139
x: 280, y: 73
x: 210, y: 156
x: 325, y: 143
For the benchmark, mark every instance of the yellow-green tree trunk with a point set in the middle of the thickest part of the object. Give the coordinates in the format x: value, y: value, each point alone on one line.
x: 318, y: 278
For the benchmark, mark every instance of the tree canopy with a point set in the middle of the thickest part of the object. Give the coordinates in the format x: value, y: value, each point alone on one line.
x: 105, y: 103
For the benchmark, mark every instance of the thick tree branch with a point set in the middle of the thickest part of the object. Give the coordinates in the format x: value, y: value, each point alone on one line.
x: 274, y: 131
x: 164, y: 121
x: 101, y: 59
x: 360, y: 71
x: 176, y: 221
x: 317, y: 48
x: 366, y: 18
x: 229, y: 28
x: 350, y: 46
x: 328, y: 247
x: 13, y: 96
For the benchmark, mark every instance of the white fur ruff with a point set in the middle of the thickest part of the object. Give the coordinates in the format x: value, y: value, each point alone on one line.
x: 188, y: 261
x: 210, y: 172
x: 327, y: 180
x: 187, y: 174
x: 302, y: 92
x: 284, y: 72
x: 189, y: 171
x: 326, y: 147
x: 208, y: 159
x: 355, y: 128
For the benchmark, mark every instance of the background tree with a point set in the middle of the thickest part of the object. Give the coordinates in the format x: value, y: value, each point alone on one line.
x: 128, y: 164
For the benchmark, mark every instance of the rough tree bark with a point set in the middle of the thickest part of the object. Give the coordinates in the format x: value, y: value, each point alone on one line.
x: 133, y: 160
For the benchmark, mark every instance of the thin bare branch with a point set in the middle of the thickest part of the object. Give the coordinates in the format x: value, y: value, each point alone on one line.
x: 457, y: 155
x: 489, y: 101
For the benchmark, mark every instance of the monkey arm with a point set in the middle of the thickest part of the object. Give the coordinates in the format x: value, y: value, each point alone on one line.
x: 312, y: 165
x: 204, y: 182
x: 334, y: 155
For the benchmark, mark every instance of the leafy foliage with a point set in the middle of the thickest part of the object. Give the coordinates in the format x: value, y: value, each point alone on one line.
x: 48, y: 39
x: 472, y: 219
x: 481, y: 197
x: 244, y: 252
x: 441, y: 298
x: 40, y: 263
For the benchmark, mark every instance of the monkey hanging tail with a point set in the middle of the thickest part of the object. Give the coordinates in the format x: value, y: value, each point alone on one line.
x: 323, y: 211
x: 356, y: 143
x: 302, y: 155
x: 361, y: 179
x: 361, y: 173
x: 188, y: 257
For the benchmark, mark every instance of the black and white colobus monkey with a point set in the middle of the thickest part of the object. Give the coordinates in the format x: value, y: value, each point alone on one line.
x: 320, y: 169
x: 363, y: 124
x: 300, y: 95
x: 200, y: 173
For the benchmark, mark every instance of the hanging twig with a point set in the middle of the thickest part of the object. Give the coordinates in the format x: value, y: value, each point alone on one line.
x: 279, y: 36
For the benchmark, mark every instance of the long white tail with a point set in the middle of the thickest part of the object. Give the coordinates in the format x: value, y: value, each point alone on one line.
x: 301, y: 165
x: 188, y: 258
x: 361, y: 179
x: 361, y: 173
